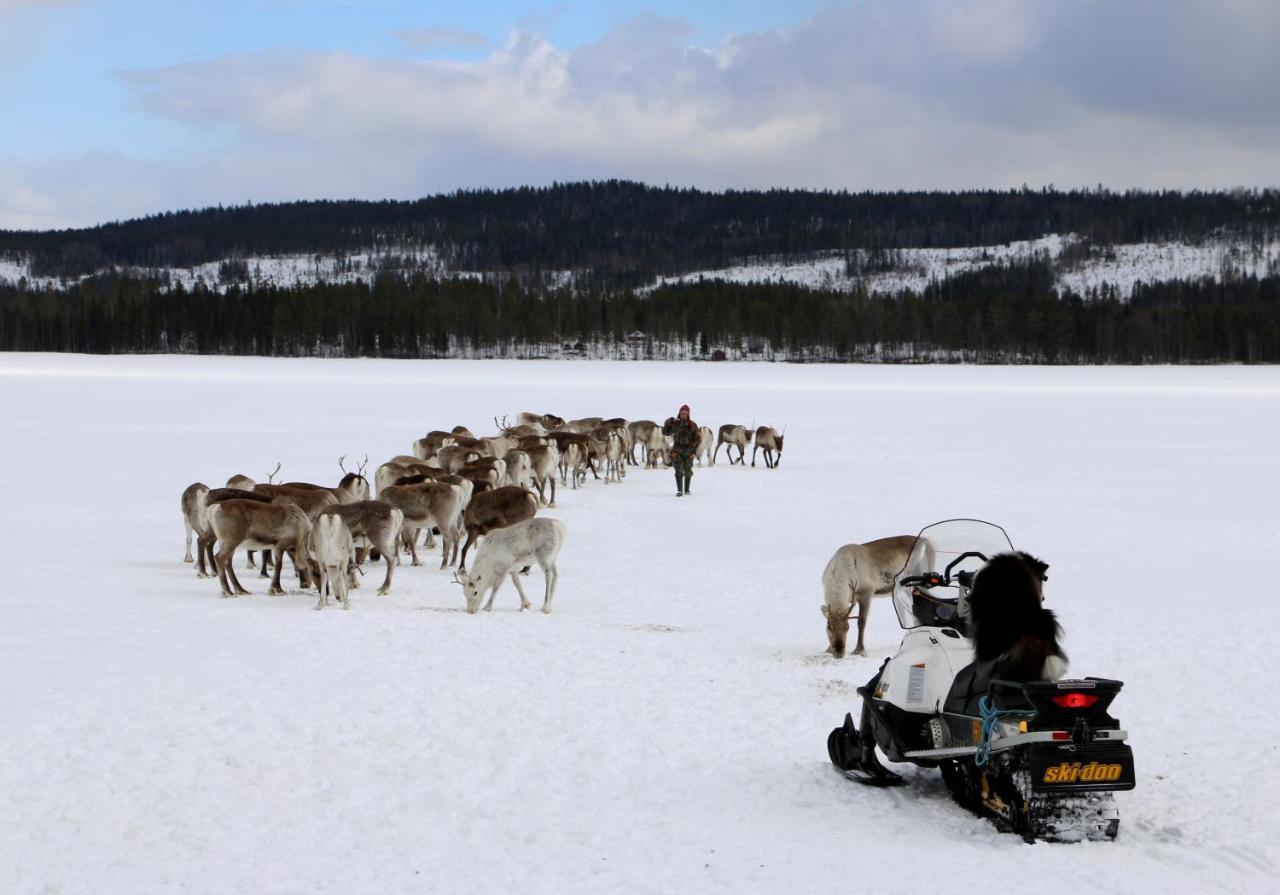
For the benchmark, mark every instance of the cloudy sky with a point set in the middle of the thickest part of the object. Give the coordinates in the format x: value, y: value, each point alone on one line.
x: 115, y: 108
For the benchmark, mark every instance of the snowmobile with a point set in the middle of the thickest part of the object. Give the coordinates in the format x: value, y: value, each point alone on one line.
x: 1043, y: 759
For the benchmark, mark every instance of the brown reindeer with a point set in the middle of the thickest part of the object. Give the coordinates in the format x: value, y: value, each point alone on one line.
x: 493, y: 510
x: 374, y: 524
x: 221, y: 495
x: 768, y: 439
x: 640, y: 431
x: 281, y: 527
x: 733, y: 436
x: 351, y: 488
x: 428, y: 505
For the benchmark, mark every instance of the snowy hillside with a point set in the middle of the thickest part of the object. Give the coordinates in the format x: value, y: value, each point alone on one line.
x: 1120, y: 266
x: 663, y: 730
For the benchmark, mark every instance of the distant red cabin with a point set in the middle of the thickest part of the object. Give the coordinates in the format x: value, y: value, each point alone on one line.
x: 719, y: 354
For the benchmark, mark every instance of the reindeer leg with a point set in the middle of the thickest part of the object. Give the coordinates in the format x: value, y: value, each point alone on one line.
x: 389, y: 556
x: 276, y: 590
x: 524, y: 600
x: 462, y: 567
x: 204, y: 550
x: 552, y: 576
x: 187, y: 557
x: 553, y: 493
x: 222, y: 563
x: 753, y: 456
x: 413, y: 547
x: 323, y: 600
x: 864, y: 608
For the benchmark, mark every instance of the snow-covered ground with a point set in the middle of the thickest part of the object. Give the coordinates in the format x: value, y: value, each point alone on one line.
x: 664, y: 729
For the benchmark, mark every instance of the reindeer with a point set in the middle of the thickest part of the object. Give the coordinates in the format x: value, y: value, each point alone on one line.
x: 548, y: 421
x: 352, y: 487
x: 488, y: 470
x: 196, y: 522
x: 856, y: 574
x: 221, y: 495
x: 640, y: 432
x: 498, y: 445
x: 374, y: 524
x: 311, y: 498
x: 430, y: 504
x: 585, y: 425
x: 655, y: 450
x: 505, y: 552
x: 279, y: 526
x: 427, y: 447
x: 615, y: 454
x: 493, y: 510
x: 574, y: 449
x: 733, y: 436
x: 768, y: 438
x: 332, y: 548
x: 544, y: 460
x: 461, y: 432
x: 703, y: 449
x: 454, y: 457
x: 519, y: 468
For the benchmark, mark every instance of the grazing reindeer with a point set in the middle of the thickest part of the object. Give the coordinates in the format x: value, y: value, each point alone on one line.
x: 311, y: 498
x: 494, y: 510
x: 733, y: 436
x: 640, y: 432
x: 333, y: 550
x: 431, y: 504
x: 196, y: 521
x: 220, y: 495
x: 544, y: 460
x: 281, y: 527
x: 505, y: 552
x: 374, y: 524
x: 703, y: 449
x: 856, y: 574
x: 242, y: 482
x: 768, y: 439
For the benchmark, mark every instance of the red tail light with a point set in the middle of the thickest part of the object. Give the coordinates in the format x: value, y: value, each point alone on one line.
x: 1075, y: 700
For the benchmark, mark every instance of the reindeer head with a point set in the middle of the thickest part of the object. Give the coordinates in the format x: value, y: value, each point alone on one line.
x: 471, y: 589
x: 837, y: 629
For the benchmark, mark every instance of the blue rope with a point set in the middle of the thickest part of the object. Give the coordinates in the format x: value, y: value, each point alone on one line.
x: 990, y: 715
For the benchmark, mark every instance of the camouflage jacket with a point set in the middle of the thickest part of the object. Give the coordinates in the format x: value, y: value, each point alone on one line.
x: 684, y: 436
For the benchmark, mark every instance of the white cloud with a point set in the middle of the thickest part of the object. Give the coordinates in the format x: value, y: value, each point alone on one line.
x: 912, y: 94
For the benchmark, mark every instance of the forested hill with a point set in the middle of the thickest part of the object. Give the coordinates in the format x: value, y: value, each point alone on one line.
x: 626, y: 232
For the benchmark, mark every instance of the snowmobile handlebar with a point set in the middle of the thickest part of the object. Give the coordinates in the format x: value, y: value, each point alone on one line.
x: 934, y: 579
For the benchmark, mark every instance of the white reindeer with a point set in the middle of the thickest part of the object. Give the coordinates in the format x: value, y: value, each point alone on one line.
x: 706, y: 441
x: 505, y: 552
x: 333, y: 549
x: 856, y: 574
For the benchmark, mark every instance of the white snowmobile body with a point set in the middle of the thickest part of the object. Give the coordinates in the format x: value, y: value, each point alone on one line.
x: 919, y: 677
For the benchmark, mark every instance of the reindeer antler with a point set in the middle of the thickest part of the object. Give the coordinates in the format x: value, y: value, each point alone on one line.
x: 364, y: 463
x: 271, y: 476
x: 341, y: 464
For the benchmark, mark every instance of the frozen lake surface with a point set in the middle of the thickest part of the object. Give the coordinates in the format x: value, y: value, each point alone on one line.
x: 664, y: 729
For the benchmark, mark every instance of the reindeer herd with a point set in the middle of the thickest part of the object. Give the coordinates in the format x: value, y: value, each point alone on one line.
x: 453, y: 486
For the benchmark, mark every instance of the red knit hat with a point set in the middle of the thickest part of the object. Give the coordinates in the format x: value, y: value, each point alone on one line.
x: 684, y: 408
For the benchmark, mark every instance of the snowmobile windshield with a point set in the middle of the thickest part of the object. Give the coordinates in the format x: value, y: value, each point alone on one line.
x: 927, y: 590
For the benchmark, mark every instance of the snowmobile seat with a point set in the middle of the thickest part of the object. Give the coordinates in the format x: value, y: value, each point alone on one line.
x: 972, y: 683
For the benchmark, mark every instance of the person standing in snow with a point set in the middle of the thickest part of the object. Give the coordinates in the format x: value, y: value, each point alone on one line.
x: 684, y: 445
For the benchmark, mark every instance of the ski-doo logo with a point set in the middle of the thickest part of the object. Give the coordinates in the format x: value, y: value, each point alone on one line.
x: 1075, y: 772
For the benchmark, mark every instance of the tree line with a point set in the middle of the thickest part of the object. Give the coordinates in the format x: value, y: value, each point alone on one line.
x: 621, y: 233
x: 1004, y: 313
